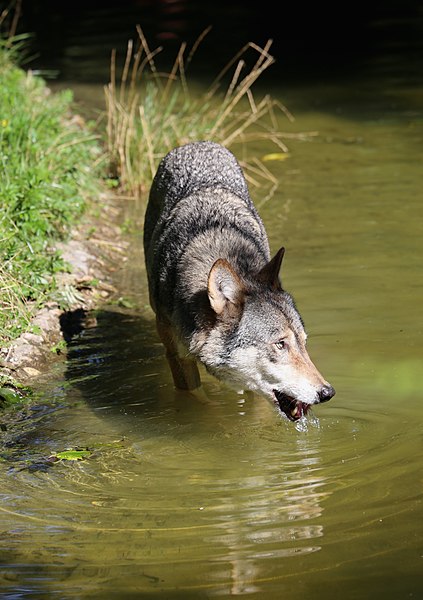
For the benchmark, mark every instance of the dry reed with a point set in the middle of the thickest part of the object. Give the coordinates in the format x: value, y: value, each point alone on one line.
x: 149, y: 112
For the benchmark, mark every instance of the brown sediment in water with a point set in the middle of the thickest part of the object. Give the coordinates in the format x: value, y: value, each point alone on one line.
x: 94, y: 252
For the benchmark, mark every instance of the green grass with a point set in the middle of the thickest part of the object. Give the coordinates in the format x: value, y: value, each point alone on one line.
x: 49, y: 167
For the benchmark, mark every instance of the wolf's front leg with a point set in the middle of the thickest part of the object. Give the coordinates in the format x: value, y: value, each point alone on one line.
x: 184, y: 369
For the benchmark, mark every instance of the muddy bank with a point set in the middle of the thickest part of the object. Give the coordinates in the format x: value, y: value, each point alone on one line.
x: 94, y: 252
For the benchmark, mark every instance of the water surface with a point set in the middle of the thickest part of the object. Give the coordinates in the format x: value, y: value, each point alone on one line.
x: 187, y: 497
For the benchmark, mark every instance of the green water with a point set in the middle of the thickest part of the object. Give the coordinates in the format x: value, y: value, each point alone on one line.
x: 184, y: 499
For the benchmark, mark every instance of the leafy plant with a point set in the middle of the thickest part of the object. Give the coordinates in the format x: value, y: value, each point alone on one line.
x: 72, y: 455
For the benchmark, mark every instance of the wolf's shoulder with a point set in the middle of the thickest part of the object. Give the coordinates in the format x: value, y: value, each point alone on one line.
x: 198, y: 165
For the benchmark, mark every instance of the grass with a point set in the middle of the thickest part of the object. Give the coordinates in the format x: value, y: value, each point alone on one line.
x: 48, y: 164
x: 149, y: 113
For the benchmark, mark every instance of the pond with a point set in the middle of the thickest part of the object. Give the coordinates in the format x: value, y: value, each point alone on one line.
x: 187, y: 499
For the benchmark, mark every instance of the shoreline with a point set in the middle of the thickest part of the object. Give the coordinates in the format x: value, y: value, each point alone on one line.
x: 92, y: 253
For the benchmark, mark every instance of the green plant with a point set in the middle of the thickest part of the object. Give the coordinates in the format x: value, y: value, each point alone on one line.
x: 50, y: 166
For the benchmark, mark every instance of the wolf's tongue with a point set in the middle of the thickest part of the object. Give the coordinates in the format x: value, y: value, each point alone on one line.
x: 294, y: 409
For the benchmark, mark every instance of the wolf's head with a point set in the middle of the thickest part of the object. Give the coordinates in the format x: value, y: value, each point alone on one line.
x: 258, y: 341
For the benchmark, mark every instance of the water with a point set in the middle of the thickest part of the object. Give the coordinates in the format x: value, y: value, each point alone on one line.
x: 193, y: 497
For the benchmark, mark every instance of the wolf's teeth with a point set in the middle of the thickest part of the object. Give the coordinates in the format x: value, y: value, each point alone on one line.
x: 294, y: 411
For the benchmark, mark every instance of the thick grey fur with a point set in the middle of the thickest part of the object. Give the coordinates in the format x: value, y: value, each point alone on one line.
x: 200, y: 211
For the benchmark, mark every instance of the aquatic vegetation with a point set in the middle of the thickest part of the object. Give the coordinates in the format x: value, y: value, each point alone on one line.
x: 9, y: 396
x: 71, y: 454
x: 149, y: 113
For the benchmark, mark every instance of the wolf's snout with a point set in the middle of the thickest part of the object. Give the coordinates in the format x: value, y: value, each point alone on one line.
x: 326, y: 393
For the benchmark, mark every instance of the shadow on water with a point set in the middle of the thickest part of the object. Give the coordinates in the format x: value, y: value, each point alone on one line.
x: 310, y: 41
x: 107, y: 345
x: 117, y: 362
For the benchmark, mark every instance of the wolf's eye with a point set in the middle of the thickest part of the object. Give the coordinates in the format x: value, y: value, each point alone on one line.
x: 281, y: 345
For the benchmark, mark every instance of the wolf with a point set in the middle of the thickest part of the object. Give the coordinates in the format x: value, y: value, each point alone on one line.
x: 214, y: 288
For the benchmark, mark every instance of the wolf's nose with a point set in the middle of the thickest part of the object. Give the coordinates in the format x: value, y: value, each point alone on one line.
x: 326, y: 393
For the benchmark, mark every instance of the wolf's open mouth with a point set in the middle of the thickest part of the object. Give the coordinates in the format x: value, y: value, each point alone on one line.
x: 294, y: 409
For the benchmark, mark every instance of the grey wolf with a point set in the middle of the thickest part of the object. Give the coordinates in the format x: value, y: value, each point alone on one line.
x: 214, y: 288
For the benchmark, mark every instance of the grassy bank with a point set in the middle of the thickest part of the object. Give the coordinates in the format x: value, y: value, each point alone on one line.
x: 50, y: 165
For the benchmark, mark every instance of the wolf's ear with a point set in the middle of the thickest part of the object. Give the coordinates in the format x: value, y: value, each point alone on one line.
x: 224, y: 286
x: 270, y: 272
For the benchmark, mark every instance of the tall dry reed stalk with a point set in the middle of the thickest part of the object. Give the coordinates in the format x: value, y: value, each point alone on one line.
x: 149, y: 113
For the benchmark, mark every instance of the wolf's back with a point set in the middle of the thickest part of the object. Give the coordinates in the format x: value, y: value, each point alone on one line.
x: 188, y: 169
x: 199, y: 210
x: 196, y: 166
